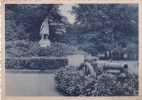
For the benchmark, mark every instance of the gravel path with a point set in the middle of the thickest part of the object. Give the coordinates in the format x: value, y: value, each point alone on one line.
x: 30, y: 84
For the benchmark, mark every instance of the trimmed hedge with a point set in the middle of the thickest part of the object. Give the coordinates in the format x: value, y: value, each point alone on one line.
x: 40, y: 63
x: 71, y: 82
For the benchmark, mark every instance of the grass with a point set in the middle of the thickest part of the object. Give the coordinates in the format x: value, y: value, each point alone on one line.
x: 30, y: 84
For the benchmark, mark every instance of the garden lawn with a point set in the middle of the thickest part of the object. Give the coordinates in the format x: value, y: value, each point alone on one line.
x: 30, y: 84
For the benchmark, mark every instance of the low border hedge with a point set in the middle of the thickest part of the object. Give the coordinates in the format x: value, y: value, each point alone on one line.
x: 38, y: 63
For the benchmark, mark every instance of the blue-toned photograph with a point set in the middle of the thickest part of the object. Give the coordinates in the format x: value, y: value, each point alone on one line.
x: 71, y: 50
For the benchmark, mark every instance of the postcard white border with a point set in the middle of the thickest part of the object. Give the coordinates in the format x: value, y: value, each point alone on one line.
x: 139, y: 2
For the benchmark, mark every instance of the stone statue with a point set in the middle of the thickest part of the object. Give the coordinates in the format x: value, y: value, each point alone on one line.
x: 44, y: 32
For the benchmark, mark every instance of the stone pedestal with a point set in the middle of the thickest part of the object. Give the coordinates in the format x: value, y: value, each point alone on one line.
x: 75, y: 60
x: 44, y: 43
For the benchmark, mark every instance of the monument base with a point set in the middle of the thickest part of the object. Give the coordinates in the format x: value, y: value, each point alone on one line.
x: 44, y: 43
x: 75, y: 60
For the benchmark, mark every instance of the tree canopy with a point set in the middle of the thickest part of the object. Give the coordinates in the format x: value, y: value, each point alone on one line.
x: 106, y: 26
x: 23, y: 21
x: 97, y: 28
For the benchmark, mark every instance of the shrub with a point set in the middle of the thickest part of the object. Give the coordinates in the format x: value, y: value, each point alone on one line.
x: 22, y: 48
x: 68, y: 80
x: 36, y: 63
x: 60, y: 49
x: 71, y: 82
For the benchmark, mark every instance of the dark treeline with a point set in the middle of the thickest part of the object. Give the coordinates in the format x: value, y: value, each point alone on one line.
x: 98, y: 27
x: 23, y: 21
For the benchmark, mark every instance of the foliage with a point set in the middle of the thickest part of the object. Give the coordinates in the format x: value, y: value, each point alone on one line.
x: 102, y: 27
x: 60, y: 49
x: 98, y: 27
x: 23, y: 48
x: 68, y: 79
x: 36, y: 63
x: 23, y: 21
x: 131, y: 48
x: 72, y: 82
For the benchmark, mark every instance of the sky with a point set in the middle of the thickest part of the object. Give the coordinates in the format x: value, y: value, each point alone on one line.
x: 65, y: 8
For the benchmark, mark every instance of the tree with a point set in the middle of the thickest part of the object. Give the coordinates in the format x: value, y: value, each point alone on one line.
x: 28, y: 19
x: 111, y: 25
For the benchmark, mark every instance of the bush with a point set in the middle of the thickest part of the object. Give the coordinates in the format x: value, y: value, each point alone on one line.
x: 23, y: 48
x: 60, y: 49
x: 68, y: 80
x: 71, y: 82
x: 41, y: 63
